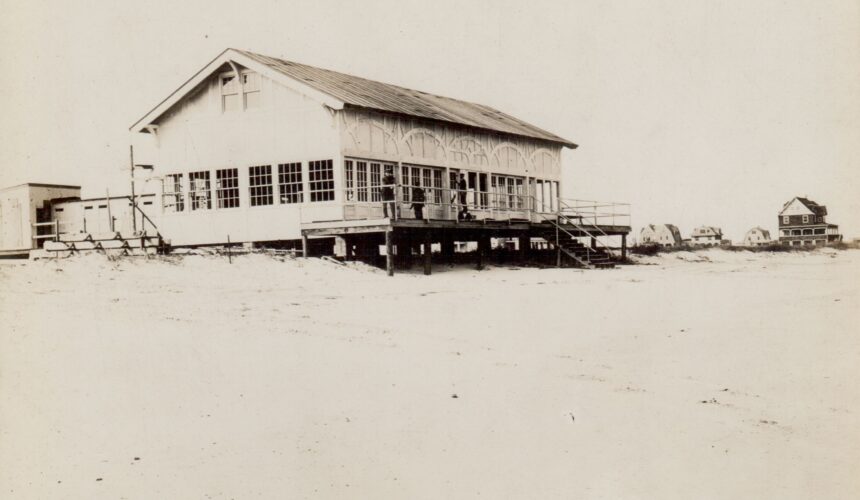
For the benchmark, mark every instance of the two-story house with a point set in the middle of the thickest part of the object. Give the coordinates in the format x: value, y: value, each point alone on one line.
x: 803, y: 222
x: 706, y: 236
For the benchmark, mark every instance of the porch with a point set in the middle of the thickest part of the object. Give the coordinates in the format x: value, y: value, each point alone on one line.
x: 585, y: 233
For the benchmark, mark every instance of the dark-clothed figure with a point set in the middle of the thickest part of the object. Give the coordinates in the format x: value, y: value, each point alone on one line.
x: 388, y: 204
x: 461, y: 194
x: 418, y: 202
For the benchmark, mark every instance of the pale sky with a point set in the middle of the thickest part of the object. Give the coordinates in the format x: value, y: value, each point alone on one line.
x: 695, y: 112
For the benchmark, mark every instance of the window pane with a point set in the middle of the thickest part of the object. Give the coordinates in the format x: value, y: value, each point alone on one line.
x: 349, y: 177
x: 290, y: 182
x: 321, y: 180
x: 198, y: 191
x: 361, y: 180
x: 227, y: 187
x: 172, y: 196
x: 260, y: 185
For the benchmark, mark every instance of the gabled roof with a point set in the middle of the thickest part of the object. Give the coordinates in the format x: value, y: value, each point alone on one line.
x: 811, y: 205
x: 708, y: 230
x: 763, y: 231
x: 339, y: 90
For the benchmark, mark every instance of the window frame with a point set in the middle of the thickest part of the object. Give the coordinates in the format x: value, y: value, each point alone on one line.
x: 227, y: 196
x: 321, y: 184
x: 287, y: 194
x: 177, y: 193
x: 260, y: 193
x: 194, y: 198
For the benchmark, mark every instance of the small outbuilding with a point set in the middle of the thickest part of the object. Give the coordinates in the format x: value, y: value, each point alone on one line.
x: 26, y: 215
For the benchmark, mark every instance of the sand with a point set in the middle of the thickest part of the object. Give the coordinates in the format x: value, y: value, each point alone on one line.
x: 707, y: 375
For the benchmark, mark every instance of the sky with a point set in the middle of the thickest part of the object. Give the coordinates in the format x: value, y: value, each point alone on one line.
x: 695, y: 112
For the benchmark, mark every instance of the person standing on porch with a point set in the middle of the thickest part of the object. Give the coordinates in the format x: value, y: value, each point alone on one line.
x: 461, y: 194
x: 418, y: 202
x: 388, y: 203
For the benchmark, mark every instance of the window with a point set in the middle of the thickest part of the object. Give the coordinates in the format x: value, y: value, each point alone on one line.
x: 819, y: 230
x: 321, y: 180
x: 785, y: 219
x: 172, y: 198
x: 361, y: 181
x: 198, y: 191
x: 405, y: 183
x: 429, y: 178
x: 349, y: 177
x: 260, y: 185
x: 290, y: 182
x: 507, y: 192
x: 375, y: 181
x: 231, y: 100
x: 227, y: 187
x: 229, y: 93
x: 805, y: 219
x: 251, y: 90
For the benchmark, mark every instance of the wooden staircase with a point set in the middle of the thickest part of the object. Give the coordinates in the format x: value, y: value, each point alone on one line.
x: 114, y: 244
x: 578, y: 253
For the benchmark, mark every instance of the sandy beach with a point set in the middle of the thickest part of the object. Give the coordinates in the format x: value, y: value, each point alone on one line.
x: 707, y: 375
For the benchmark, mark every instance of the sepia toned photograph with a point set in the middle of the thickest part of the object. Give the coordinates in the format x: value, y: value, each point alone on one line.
x: 600, y: 249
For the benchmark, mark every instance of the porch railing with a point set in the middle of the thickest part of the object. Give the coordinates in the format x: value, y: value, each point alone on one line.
x: 567, y: 216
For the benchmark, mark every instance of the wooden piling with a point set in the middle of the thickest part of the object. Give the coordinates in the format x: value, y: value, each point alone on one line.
x: 389, y: 253
x: 624, y: 247
x: 428, y: 252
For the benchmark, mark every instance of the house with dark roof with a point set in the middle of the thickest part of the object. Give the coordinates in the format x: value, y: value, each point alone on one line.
x: 666, y: 235
x: 803, y: 222
x: 707, y: 236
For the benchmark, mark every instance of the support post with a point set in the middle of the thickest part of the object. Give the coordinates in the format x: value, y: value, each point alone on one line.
x: 483, y: 250
x: 624, y: 247
x: 525, y: 246
x: 389, y: 253
x: 448, y: 247
x: 408, y: 248
x: 304, y: 246
x: 428, y: 252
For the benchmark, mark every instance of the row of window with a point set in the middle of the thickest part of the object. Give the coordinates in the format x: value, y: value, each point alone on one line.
x: 261, y: 186
x: 786, y: 219
x: 802, y: 232
x: 363, y: 181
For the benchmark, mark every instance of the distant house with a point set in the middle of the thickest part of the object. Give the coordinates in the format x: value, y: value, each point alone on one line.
x: 757, y: 237
x: 707, y: 236
x: 666, y: 235
x: 802, y: 222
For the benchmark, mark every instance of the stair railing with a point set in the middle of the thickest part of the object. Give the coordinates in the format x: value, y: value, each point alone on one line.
x: 556, y: 218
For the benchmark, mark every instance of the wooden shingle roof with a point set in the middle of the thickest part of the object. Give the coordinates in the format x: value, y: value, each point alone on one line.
x: 363, y: 93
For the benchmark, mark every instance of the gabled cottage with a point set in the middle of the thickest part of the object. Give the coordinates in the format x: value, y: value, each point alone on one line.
x: 707, y: 236
x: 757, y: 237
x: 803, y: 222
x: 666, y: 235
